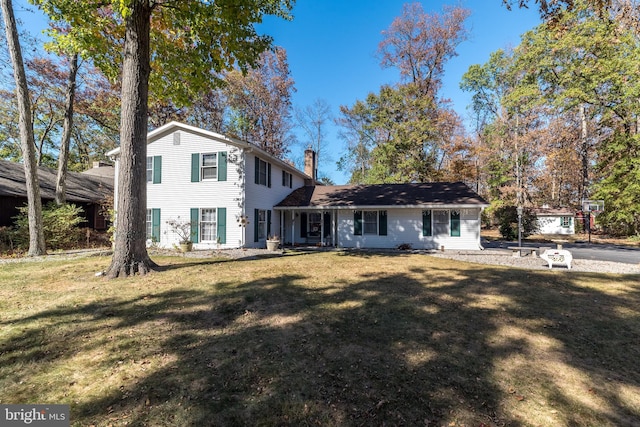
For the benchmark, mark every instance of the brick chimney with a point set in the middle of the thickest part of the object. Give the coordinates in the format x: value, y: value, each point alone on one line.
x: 310, y: 164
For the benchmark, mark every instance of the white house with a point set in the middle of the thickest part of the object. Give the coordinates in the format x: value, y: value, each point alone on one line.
x: 234, y: 194
x: 555, y: 220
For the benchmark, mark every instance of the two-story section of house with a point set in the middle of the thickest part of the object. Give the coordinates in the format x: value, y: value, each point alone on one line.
x: 223, y: 188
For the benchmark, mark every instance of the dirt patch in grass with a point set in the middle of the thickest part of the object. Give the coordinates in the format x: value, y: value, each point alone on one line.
x: 322, y: 339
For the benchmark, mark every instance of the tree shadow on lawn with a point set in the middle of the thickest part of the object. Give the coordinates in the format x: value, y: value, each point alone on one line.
x: 388, y: 349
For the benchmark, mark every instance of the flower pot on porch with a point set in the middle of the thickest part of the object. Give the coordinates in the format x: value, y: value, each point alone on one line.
x: 272, y: 245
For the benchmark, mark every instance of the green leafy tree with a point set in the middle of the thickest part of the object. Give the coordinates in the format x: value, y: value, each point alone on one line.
x: 187, y: 44
x: 507, y: 220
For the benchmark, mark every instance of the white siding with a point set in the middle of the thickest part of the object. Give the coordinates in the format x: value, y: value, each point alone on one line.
x: 176, y: 194
x: 553, y: 225
x: 404, y: 226
x: 265, y: 198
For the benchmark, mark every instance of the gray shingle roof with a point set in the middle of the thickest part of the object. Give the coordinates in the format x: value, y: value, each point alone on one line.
x: 80, y: 187
x: 383, y: 195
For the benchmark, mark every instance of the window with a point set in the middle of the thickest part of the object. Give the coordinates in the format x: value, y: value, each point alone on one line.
x: 149, y: 223
x: 209, y: 166
x: 149, y: 169
x: 287, y: 179
x: 154, y: 169
x: 262, y: 224
x: 208, y: 225
x: 153, y: 225
x: 370, y: 222
x: 565, y: 221
x: 262, y: 172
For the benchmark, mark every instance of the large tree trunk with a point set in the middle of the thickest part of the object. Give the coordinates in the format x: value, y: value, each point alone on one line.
x: 63, y: 157
x: 27, y: 140
x: 130, y: 252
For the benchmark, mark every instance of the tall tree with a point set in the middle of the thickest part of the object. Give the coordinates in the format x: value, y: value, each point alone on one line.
x: 193, y: 41
x: 313, y: 120
x: 419, y: 44
x: 260, y: 103
x: 63, y: 156
x: 36, y: 232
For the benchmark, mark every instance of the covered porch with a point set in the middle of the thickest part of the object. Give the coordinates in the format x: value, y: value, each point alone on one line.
x: 307, y: 226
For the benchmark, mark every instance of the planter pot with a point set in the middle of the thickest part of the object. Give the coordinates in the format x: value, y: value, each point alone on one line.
x: 186, y: 247
x: 272, y: 245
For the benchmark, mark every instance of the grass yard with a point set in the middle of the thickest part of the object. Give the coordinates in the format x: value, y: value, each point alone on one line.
x: 331, y: 339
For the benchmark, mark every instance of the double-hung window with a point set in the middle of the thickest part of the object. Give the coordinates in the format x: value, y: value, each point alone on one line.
x: 149, y: 224
x: 565, y: 221
x: 262, y: 224
x: 370, y: 223
x: 154, y: 169
x: 287, y: 179
x: 208, y: 225
x: 262, y: 172
x: 149, y: 169
x: 209, y: 166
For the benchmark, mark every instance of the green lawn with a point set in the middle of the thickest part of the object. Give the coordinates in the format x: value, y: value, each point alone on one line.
x: 322, y: 339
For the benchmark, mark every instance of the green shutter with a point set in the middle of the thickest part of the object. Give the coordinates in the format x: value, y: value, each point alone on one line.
x: 157, y: 169
x: 155, y: 225
x: 284, y: 179
x: 382, y: 223
x: 195, y: 217
x: 303, y: 224
x: 257, y: 179
x: 357, y: 223
x: 268, y: 223
x: 222, y: 225
x: 426, y: 223
x: 256, y: 215
x: 455, y: 224
x: 222, y: 166
x: 195, y: 167
x: 269, y: 175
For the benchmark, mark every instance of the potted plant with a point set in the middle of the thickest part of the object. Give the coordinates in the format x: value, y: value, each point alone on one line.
x: 183, y: 230
x: 273, y: 242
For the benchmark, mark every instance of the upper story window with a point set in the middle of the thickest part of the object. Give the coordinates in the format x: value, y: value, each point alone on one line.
x: 149, y: 169
x: 209, y: 166
x: 154, y: 169
x: 262, y: 172
x: 287, y: 179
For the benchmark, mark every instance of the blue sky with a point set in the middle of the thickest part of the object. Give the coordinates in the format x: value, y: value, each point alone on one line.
x: 332, y: 44
x: 331, y: 47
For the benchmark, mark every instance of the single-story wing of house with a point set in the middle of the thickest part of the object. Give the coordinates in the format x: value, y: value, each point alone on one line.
x: 89, y: 190
x: 555, y: 220
x: 421, y: 215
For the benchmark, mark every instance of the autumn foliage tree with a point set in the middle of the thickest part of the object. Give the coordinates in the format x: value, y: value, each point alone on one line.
x: 189, y: 43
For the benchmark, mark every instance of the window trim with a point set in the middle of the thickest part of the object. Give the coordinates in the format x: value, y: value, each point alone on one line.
x: 203, y: 167
x: 202, y: 223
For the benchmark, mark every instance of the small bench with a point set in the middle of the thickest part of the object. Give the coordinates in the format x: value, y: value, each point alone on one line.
x: 557, y: 256
x: 517, y: 250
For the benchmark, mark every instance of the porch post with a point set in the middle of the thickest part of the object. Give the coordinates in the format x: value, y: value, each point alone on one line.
x: 321, y: 229
x: 293, y: 228
x: 334, y: 235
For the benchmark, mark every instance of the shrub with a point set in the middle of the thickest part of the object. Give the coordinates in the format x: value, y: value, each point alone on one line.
x: 60, y: 224
x: 507, y: 219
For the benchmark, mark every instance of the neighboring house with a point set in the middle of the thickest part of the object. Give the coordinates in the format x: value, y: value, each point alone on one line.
x: 89, y: 190
x: 422, y: 215
x: 555, y: 220
x: 234, y: 194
